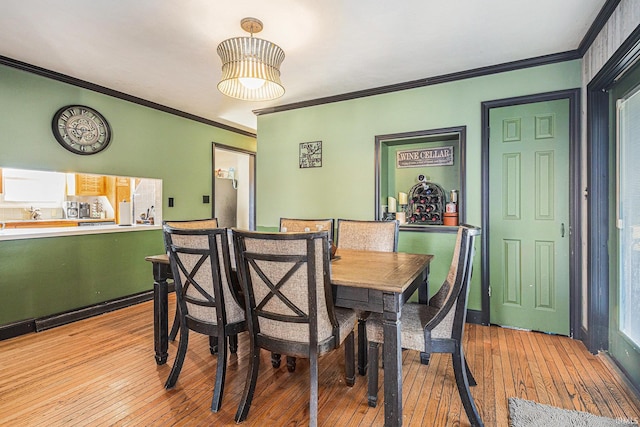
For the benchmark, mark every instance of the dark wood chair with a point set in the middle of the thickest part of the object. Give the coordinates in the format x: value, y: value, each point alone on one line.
x: 437, y: 327
x: 380, y: 236
x: 187, y: 224
x: 301, y: 225
x: 307, y: 225
x: 289, y: 304
x: 207, y: 223
x: 207, y: 304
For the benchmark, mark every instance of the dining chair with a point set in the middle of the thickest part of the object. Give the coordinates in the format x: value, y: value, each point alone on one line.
x: 201, y: 224
x: 289, y: 305
x: 306, y: 225
x: 207, y: 304
x: 436, y: 327
x: 381, y: 236
x: 301, y: 225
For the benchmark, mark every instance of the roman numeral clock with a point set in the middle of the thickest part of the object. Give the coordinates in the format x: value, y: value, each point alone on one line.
x: 81, y: 130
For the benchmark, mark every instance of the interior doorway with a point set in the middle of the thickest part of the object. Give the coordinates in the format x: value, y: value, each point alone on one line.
x: 233, y: 187
x: 529, y: 216
x: 543, y: 251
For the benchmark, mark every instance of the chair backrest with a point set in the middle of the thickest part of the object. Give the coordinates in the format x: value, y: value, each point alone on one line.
x: 381, y: 236
x: 201, y: 268
x: 307, y: 225
x: 194, y: 224
x: 286, y: 281
x: 452, y: 297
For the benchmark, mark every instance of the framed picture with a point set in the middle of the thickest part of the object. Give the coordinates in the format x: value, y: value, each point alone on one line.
x: 311, y: 154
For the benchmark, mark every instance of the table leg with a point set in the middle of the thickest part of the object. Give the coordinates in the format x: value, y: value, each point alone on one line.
x: 423, y: 298
x: 160, y: 312
x: 392, y: 357
x: 423, y: 290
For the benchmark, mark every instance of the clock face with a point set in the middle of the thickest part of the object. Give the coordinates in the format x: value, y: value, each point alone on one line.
x: 81, y: 130
x: 311, y: 154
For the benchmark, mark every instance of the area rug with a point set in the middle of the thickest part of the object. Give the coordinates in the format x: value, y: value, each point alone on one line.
x: 524, y: 413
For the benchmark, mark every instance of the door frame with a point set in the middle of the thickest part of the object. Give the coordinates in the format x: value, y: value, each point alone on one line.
x: 596, y: 336
x: 252, y: 179
x: 575, y: 221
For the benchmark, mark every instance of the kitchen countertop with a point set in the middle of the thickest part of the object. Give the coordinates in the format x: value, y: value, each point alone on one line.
x: 42, y: 232
x: 52, y: 222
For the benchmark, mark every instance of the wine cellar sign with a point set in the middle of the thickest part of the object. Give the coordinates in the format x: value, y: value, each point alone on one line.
x: 440, y: 156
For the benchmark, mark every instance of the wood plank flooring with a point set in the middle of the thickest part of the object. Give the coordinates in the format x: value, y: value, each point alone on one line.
x: 102, y: 372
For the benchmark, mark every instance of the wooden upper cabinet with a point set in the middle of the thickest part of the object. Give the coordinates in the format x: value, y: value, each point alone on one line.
x: 90, y: 185
x: 122, y: 181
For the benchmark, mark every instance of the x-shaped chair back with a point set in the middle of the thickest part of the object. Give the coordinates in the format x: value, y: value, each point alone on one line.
x: 200, y: 263
x: 199, y: 259
x: 285, y: 279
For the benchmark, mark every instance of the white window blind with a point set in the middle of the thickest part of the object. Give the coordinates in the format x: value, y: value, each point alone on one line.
x: 629, y: 215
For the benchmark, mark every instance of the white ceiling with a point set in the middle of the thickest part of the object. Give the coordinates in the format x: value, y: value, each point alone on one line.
x: 165, y: 51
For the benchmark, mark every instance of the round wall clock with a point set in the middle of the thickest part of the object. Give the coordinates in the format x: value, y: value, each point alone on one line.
x: 81, y: 130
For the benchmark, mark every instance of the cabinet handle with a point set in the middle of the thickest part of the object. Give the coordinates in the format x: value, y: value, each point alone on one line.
x: 562, y: 229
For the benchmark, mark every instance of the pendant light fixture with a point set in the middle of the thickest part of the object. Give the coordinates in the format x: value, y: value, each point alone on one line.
x: 250, y: 66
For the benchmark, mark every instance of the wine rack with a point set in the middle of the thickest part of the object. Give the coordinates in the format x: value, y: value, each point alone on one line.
x: 426, y: 204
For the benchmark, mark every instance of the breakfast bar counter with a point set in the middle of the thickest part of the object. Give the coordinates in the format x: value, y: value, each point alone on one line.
x: 42, y: 232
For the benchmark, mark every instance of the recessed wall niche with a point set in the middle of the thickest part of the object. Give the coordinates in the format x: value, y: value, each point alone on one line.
x: 427, y: 168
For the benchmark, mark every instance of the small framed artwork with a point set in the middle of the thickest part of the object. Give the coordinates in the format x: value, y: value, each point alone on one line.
x: 311, y: 154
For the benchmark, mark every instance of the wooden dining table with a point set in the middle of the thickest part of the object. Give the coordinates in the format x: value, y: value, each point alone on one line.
x: 365, y: 280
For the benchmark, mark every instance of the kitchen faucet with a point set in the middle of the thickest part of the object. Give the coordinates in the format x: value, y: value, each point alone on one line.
x: 34, y: 213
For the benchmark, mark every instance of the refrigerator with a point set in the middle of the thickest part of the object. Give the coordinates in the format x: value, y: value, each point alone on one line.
x: 226, y: 202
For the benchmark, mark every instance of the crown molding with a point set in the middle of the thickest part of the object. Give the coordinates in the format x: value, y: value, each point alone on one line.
x: 445, y: 78
x: 14, y: 63
x: 597, y: 26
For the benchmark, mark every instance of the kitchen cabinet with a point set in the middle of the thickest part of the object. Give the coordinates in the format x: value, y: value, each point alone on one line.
x: 0, y: 180
x: 90, y: 185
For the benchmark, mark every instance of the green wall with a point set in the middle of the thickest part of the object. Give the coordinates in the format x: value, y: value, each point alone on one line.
x: 51, y: 275
x: 344, y: 186
x: 41, y: 277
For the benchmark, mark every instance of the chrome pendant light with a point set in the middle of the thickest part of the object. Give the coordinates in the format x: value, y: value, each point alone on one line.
x: 250, y: 66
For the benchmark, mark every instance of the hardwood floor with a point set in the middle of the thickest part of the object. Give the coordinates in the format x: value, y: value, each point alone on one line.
x: 102, y: 372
